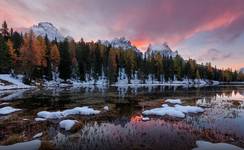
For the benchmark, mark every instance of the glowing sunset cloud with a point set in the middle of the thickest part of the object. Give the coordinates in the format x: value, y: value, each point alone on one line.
x: 190, y: 26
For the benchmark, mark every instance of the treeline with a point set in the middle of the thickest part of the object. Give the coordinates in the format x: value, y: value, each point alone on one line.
x: 37, y: 58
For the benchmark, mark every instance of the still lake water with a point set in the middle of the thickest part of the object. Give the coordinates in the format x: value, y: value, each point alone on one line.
x: 121, y: 127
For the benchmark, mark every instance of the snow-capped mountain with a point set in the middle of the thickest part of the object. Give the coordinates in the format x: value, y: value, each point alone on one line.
x: 46, y: 28
x: 162, y: 49
x: 120, y: 43
x: 242, y: 70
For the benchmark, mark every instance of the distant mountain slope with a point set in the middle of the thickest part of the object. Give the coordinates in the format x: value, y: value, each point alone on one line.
x: 242, y: 70
x: 162, y: 49
x: 46, y: 28
x: 120, y: 43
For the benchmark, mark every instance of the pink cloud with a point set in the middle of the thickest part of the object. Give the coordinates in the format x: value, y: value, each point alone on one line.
x: 142, y: 21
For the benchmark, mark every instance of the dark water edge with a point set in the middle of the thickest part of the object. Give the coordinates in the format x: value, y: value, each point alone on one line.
x: 121, y: 127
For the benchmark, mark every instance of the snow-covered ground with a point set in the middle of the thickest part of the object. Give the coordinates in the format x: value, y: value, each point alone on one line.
x: 122, y: 80
x: 85, y: 110
x: 7, y: 82
x: 175, y: 111
x: 12, y: 83
x: 31, y: 145
x: 204, y: 145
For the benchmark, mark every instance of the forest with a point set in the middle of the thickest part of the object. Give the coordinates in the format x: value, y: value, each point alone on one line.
x: 37, y: 58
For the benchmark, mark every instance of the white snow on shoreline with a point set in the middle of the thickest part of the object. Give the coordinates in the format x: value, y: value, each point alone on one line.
x: 176, y: 111
x: 8, y: 110
x: 85, y: 110
x: 204, y: 145
x: 14, y: 83
x: 30, y: 145
x: 173, y: 101
x: 67, y: 124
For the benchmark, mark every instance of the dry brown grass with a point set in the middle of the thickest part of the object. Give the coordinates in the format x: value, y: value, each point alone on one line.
x: 12, y: 139
x: 46, y: 145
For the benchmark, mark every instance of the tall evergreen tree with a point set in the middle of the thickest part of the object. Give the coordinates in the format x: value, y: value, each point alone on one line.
x: 5, y: 59
x: 5, y: 31
x: 65, y: 60
x: 48, y: 68
x: 17, y: 40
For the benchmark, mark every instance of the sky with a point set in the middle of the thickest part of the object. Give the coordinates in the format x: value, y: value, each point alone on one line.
x: 205, y: 30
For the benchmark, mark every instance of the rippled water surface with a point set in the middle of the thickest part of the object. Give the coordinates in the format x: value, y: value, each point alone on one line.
x: 122, y: 127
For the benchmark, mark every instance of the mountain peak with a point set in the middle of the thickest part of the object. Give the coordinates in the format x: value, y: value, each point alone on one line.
x: 162, y: 49
x: 121, y: 42
x: 242, y: 70
x: 47, y: 28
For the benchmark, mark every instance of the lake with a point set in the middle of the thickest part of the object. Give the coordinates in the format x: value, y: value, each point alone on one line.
x: 122, y: 127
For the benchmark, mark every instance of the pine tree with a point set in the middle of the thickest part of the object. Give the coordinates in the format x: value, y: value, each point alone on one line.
x: 65, y: 60
x: 5, y: 60
x: 17, y: 40
x: 4, y: 31
x: 80, y: 49
x: 98, y: 62
x: 75, y: 68
x: 113, y: 66
x: 48, y: 68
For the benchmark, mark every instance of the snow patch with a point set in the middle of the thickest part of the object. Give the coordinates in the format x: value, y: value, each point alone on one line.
x: 177, y: 111
x: 85, y: 110
x: 50, y: 115
x: 8, y: 110
x: 171, y: 111
x: 189, y: 109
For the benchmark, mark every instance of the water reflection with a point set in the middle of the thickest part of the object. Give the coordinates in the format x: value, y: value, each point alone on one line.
x: 156, y: 134
x: 122, y: 126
